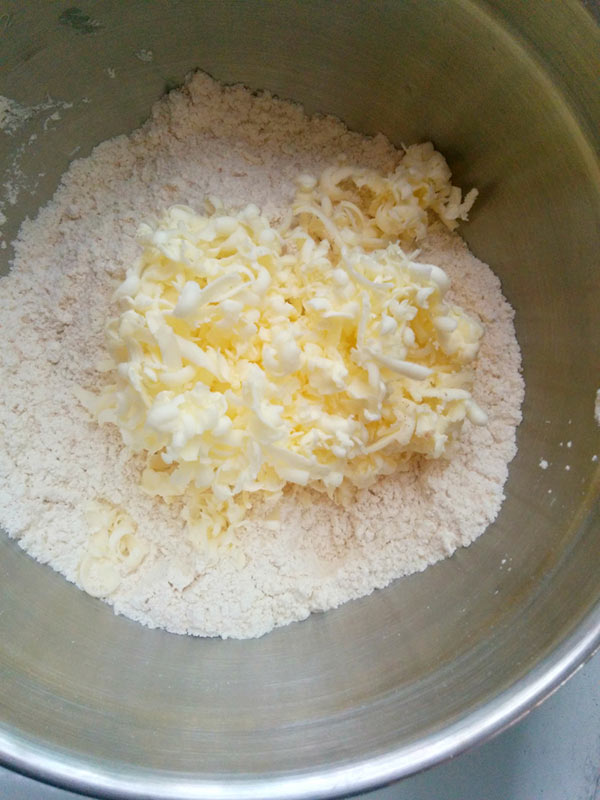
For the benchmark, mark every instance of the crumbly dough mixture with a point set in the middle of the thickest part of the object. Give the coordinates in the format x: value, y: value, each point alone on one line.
x: 54, y: 459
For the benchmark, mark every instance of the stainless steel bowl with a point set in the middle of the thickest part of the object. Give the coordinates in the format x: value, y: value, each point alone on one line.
x: 418, y: 672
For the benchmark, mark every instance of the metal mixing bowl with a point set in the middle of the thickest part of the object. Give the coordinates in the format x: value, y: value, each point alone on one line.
x: 435, y: 663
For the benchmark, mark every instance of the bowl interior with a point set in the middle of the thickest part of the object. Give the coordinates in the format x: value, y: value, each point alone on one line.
x: 415, y: 672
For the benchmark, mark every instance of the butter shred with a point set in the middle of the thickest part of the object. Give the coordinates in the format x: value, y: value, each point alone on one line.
x: 319, y: 352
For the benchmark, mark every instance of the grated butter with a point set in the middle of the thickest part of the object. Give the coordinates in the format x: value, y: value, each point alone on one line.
x: 320, y: 352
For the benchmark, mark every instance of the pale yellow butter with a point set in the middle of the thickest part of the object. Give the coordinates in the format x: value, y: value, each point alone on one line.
x: 247, y: 356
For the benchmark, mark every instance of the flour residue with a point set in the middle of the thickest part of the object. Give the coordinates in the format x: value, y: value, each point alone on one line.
x: 25, y: 123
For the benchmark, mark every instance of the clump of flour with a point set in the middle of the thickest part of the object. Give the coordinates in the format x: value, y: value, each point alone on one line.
x: 54, y: 460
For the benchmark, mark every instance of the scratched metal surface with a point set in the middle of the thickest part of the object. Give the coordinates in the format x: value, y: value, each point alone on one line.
x: 552, y: 754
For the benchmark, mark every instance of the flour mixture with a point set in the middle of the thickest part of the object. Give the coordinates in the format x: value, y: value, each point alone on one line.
x: 73, y: 491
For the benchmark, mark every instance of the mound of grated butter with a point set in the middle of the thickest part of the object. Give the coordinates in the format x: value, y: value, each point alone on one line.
x: 318, y: 352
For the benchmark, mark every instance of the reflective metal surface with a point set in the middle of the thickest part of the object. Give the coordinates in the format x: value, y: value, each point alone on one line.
x: 439, y: 661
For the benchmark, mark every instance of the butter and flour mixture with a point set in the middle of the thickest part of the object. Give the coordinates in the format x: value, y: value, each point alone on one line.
x: 73, y: 494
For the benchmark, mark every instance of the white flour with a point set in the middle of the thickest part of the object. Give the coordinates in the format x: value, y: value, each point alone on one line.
x: 54, y: 459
